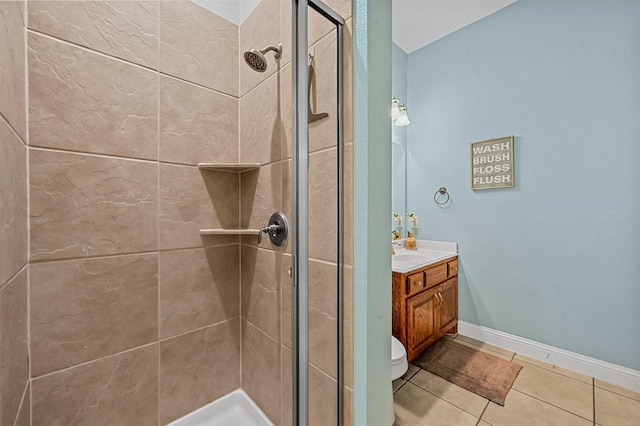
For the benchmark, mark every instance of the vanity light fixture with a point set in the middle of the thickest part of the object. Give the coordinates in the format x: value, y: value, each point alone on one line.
x: 403, y: 119
x: 395, y: 108
x: 399, y: 113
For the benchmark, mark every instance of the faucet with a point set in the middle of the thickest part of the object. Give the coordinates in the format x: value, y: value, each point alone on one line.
x: 395, y: 244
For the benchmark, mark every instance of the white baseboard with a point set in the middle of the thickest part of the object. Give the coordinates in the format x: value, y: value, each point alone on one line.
x: 612, y: 373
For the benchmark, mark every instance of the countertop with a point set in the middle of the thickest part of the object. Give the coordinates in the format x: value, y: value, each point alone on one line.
x: 428, y: 253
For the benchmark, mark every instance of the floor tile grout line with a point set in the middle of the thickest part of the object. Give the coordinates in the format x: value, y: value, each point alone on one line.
x: 554, y: 372
x: 515, y: 354
x: 617, y: 393
x: 414, y: 373
x: 488, y: 401
x: 404, y: 382
x: 513, y: 358
x: 548, y: 403
x: 439, y: 397
x: 482, y: 414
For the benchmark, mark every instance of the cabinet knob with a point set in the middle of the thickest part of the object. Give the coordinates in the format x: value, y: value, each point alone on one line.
x: 420, y: 284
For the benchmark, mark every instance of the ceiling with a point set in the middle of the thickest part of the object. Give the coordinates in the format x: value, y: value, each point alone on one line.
x: 235, y: 11
x: 417, y: 23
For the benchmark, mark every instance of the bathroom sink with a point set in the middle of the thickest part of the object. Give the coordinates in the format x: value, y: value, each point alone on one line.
x: 407, y: 260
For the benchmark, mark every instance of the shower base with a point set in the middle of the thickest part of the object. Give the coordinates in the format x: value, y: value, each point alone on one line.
x: 235, y: 408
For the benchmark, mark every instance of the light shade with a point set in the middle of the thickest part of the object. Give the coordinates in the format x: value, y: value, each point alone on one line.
x: 403, y: 118
x: 395, y: 108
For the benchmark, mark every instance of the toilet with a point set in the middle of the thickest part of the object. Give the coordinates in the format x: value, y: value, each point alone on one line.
x: 399, y: 364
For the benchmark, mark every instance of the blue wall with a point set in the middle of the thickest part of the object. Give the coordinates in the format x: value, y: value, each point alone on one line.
x: 557, y: 258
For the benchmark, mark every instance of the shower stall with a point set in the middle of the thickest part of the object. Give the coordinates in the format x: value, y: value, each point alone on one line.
x: 169, y: 145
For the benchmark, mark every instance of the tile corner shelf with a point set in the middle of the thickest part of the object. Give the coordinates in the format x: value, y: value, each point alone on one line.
x: 239, y: 231
x: 229, y: 167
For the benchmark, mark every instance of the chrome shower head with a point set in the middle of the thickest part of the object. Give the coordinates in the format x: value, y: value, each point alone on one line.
x: 256, y: 60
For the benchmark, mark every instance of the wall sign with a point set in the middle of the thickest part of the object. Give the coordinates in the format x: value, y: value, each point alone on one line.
x: 492, y: 164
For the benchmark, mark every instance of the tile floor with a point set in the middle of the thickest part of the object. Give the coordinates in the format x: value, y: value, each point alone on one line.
x: 541, y: 395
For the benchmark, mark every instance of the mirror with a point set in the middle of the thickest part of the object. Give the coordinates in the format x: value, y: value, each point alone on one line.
x: 398, y: 178
x: 398, y: 141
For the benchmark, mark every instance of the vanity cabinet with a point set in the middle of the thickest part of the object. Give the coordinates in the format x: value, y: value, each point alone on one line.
x: 425, y: 305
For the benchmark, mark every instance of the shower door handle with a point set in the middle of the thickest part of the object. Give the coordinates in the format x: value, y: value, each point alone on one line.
x: 277, y: 228
x: 313, y: 117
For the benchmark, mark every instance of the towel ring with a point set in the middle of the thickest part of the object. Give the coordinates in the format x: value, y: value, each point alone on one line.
x: 441, y: 191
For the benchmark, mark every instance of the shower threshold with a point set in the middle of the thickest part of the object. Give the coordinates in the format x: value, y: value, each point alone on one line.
x: 235, y: 408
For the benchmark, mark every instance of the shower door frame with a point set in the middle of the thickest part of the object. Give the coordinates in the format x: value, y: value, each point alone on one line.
x: 300, y: 204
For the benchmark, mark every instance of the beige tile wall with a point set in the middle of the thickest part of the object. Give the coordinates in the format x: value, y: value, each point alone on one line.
x: 13, y: 196
x: 135, y: 319
x: 198, y: 46
x: 125, y: 98
x: 70, y: 86
x: 128, y: 31
x: 14, y: 273
x: 196, y: 123
x: 13, y: 352
x: 118, y: 389
x: 12, y: 60
x: 91, y: 308
x: 197, y: 368
x: 85, y: 205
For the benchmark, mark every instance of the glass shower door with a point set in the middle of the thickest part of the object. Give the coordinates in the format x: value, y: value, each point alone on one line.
x: 317, y: 214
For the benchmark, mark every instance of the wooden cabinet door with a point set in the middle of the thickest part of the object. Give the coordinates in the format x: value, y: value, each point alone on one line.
x: 447, y: 309
x: 421, y: 321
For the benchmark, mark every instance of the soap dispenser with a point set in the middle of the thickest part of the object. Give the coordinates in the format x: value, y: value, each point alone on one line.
x: 410, y: 243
